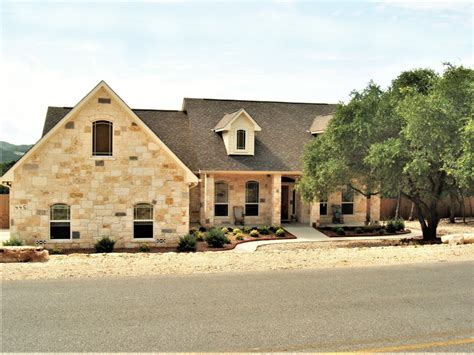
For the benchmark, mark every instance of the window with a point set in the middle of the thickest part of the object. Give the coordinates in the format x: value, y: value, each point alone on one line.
x: 102, y: 132
x: 143, y: 221
x: 251, y: 198
x: 323, y: 207
x: 241, y: 139
x: 347, y: 201
x: 221, y: 199
x: 60, y: 221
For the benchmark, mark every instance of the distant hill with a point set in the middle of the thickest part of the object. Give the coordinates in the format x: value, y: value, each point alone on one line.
x: 11, y: 152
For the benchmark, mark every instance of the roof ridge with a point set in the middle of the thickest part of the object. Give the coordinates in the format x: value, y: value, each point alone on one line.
x: 265, y: 101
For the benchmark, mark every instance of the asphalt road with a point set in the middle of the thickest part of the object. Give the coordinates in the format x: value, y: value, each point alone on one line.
x: 424, y: 307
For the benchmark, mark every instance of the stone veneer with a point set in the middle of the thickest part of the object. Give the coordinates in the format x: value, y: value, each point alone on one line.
x: 101, y: 191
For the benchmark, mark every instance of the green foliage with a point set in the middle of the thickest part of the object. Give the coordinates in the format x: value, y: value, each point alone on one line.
x: 225, y: 230
x: 104, y: 245
x: 274, y: 228
x: 144, y: 248
x: 187, y: 243
x: 13, y: 242
x: 340, y: 231
x: 236, y: 231
x: 239, y: 236
x: 358, y: 230
x: 254, y: 233
x: 247, y: 230
x: 264, y: 230
x: 280, y: 232
x: 199, y: 236
x: 56, y: 251
x: 216, y: 238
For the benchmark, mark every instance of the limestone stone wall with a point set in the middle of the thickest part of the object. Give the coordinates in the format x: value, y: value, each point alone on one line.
x: 101, y: 191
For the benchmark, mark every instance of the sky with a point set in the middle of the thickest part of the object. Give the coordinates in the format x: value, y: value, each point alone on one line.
x: 155, y: 53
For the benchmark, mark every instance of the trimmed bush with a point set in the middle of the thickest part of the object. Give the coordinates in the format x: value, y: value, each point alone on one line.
x: 199, y: 236
x: 280, y: 232
x: 358, y: 230
x: 56, y: 251
x: 340, y: 231
x: 230, y: 229
x: 274, y: 228
x: 247, y: 230
x: 216, y: 238
x: 382, y: 231
x: 144, y: 248
x: 104, y: 245
x: 239, y: 236
x: 264, y: 230
x: 368, y: 229
x: 391, y: 228
x: 224, y: 230
x: 202, y: 229
x: 254, y: 233
x: 236, y: 231
x: 13, y: 242
x: 399, y: 224
x: 187, y: 243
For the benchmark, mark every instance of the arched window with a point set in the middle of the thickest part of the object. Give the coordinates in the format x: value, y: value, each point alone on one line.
x: 60, y: 221
x: 347, y: 201
x: 221, y: 199
x: 102, y: 138
x: 143, y: 221
x: 251, y: 198
x: 241, y: 137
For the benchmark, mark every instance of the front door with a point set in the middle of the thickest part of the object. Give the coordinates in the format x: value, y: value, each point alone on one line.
x: 284, y: 202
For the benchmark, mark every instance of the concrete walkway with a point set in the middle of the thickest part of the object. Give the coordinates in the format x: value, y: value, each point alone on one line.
x: 305, y: 233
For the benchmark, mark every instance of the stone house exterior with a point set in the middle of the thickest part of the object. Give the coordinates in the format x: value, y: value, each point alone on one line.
x: 144, y: 176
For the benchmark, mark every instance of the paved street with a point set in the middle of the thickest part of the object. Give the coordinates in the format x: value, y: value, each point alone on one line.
x: 424, y: 307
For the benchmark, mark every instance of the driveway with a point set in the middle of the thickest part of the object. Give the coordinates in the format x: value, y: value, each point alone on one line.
x: 425, y: 307
x: 305, y: 233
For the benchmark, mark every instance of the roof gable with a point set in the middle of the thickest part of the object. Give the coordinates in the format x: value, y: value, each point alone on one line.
x: 226, y: 122
x: 320, y: 123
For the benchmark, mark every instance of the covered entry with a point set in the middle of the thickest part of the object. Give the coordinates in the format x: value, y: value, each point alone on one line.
x: 288, y: 199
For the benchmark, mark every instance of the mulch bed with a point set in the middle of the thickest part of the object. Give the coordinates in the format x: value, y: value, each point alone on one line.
x: 351, y: 233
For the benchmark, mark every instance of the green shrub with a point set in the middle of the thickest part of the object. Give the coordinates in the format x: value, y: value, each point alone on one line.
x: 187, y: 243
x: 224, y: 230
x: 382, y: 231
x: 236, y: 231
x: 340, y: 231
x: 274, y: 228
x: 264, y: 230
x: 368, y: 229
x: 192, y: 231
x: 104, y: 245
x: 239, y: 236
x: 399, y: 224
x: 13, y: 242
x: 280, y: 232
x: 144, y: 248
x: 391, y: 227
x: 358, y: 230
x: 254, y: 233
x: 216, y: 238
x: 247, y: 230
x: 56, y: 251
x: 199, y: 236
x: 202, y: 229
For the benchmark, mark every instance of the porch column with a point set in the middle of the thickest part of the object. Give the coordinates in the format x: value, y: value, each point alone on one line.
x: 276, y: 199
x: 208, y: 207
x: 314, y: 213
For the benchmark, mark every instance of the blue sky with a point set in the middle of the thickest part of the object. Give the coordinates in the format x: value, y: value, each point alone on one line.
x: 155, y: 53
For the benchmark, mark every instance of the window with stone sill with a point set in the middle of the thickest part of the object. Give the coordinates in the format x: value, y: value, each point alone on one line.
x: 347, y: 206
x: 102, y: 138
x: 251, y: 198
x: 221, y: 199
x: 60, y: 221
x: 143, y: 221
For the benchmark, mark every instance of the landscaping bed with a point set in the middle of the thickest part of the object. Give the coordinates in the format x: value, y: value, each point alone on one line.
x: 359, y: 231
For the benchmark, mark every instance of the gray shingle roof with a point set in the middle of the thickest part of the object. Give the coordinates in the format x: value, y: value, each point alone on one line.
x: 189, y: 133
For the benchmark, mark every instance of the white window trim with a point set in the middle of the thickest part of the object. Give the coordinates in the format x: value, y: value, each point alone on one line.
x: 143, y: 220
x: 102, y: 157
x: 62, y: 221
x: 237, y: 140
x: 253, y: 203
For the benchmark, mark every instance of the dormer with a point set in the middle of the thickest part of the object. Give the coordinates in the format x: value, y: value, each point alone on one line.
x: 320, y: 124
x: 238, y: 132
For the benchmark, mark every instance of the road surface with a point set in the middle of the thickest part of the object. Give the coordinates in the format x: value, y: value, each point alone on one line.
x: 423, y: 307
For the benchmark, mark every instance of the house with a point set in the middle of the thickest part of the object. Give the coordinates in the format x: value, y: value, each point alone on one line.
x: 102, y: 168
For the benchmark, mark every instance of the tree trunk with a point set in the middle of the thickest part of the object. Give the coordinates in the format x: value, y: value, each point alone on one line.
x: 397, y: 209
x: 367, y: 210
x: 429, y: 222
x: 410, y: 218
x: 452, y: 213
x: 461, y: 203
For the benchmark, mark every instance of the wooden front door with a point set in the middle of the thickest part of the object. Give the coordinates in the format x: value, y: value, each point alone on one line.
x: 284, y: 202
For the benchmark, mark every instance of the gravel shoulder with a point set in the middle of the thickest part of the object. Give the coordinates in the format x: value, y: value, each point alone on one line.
x: 268, y: 257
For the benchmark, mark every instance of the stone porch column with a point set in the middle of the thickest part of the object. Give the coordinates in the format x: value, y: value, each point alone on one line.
x: 208, y: 207
x: 314, y: 214
x: 276, y: 199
